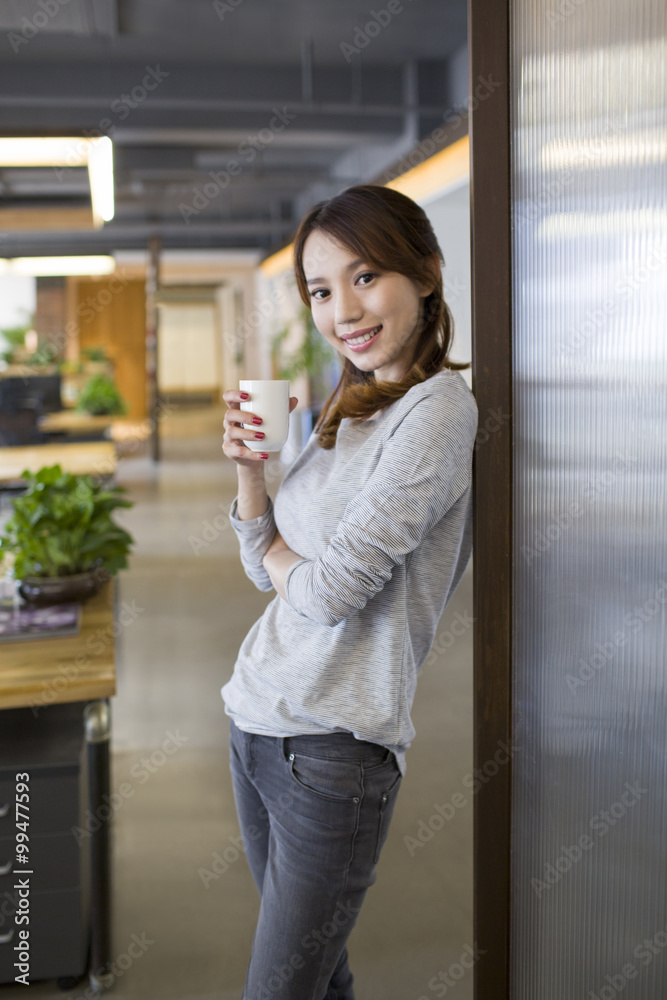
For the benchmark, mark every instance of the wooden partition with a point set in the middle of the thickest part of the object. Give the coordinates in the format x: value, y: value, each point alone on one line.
x: 110, y: 312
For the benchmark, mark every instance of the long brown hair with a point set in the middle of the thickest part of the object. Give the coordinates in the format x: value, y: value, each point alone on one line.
x: 392, y: 233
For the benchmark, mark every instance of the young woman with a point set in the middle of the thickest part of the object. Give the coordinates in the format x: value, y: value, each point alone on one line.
x: 364, y: 544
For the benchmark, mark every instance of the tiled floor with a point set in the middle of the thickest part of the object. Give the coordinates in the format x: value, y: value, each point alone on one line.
x: 189, y: 608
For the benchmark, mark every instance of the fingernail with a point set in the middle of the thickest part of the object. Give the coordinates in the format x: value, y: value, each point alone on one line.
x: 244, y: 395
x: 264, y: 455
x: 260, y: 434
x: 256, y: 420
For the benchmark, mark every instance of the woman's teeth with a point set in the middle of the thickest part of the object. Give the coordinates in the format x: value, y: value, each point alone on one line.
x: 362, y: 340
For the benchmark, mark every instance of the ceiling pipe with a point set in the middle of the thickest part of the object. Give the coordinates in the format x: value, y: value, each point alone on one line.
x: 306, y: 69
x: 224, y: 104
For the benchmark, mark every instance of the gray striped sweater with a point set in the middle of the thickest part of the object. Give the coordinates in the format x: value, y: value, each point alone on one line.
x: 383, y: 523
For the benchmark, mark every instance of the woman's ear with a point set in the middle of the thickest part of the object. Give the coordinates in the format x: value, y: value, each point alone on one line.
x: 431, y: 275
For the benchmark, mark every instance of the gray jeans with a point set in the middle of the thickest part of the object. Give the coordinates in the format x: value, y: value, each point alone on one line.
x: 314, y: 813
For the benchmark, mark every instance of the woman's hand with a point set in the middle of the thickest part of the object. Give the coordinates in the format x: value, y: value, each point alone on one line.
x: 235, y: 437
x: 277, y: 561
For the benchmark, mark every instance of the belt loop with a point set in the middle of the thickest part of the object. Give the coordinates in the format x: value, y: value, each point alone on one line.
x: 285, y: 747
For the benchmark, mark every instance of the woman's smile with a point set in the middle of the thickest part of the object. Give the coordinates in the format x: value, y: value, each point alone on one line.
x: 360, y: 341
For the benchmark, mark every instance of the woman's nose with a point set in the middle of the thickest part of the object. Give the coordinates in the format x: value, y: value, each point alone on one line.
x: 348, y: 308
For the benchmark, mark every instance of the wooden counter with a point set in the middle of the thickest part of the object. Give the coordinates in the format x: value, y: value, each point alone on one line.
x: 70, y: 420
x: 95, y: 458
x: 40, y: 672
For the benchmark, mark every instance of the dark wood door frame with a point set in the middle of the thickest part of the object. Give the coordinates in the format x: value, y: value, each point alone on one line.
x: 491, y: 258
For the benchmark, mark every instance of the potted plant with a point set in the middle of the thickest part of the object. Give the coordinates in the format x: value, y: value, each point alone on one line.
x: 96, y: 361
x: 100, y: 396
x: 62, y: 536
x: 314, y: 357
x: 14, y: 337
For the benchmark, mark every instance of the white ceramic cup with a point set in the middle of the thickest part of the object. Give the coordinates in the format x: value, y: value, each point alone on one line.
x: 269, y: 400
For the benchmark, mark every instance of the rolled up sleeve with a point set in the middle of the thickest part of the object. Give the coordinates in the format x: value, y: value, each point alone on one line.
x: 424, y: 469
x: 255, y: 537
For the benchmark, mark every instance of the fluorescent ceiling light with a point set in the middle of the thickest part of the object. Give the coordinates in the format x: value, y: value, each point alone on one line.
x: 96, y: 154
x: 44, y: 152
x: 100, y: 172
x: 43, y: 266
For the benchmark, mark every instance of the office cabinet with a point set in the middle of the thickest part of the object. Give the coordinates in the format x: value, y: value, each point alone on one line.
x: 50, y: 747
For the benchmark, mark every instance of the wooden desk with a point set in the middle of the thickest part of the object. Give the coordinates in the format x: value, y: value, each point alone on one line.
x: 39, y: 681
x: 73, y: 422
x: 79, y: 667
x: 96, y: 458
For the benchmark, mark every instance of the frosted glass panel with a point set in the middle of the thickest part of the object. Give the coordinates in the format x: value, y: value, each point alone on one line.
x: 589, y: 207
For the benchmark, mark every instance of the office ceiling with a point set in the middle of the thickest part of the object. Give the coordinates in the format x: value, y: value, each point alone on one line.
x: 229, y: 118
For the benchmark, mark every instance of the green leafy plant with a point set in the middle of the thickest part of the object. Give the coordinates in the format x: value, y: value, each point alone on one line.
x: 313, y: 357
x: 95, y: 354
x: 44, y: 355
x: 70, y: 368
x: 15, y: 337
x: 62, y: 525
x: 100, y: 396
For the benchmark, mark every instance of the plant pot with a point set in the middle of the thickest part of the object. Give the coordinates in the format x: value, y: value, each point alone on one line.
x: 45, y: 590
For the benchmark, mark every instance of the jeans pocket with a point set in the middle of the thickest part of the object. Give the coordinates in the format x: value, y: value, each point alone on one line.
x: 332, y: 779
x: 387, y: 803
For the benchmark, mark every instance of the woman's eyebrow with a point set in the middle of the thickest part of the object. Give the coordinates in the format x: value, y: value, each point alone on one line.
x: 350, y: 267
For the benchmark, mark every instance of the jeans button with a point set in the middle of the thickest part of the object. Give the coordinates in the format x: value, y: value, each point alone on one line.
x: 355, y: 799
x: 291, y: 756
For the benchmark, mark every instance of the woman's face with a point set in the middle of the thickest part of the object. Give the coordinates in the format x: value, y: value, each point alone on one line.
x: 371, y: 317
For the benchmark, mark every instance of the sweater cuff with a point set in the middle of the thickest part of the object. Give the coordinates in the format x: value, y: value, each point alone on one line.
x: 252, y: 524
x: 256, y: 533
x: 294, y: 585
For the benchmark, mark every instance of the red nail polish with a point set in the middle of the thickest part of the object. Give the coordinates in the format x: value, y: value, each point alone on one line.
x: 244, y: 395
x: 260, y: 434
x: 256, y: 420
x: 264, y: 455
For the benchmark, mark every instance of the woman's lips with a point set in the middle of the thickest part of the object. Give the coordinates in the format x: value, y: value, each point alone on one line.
x: 366, y: 343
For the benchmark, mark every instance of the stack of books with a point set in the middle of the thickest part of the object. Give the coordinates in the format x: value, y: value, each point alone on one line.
x: 29, y: 622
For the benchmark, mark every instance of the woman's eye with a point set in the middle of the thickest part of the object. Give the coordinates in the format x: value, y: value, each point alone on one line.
x: 319, y: 294
x: 367, y: 275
